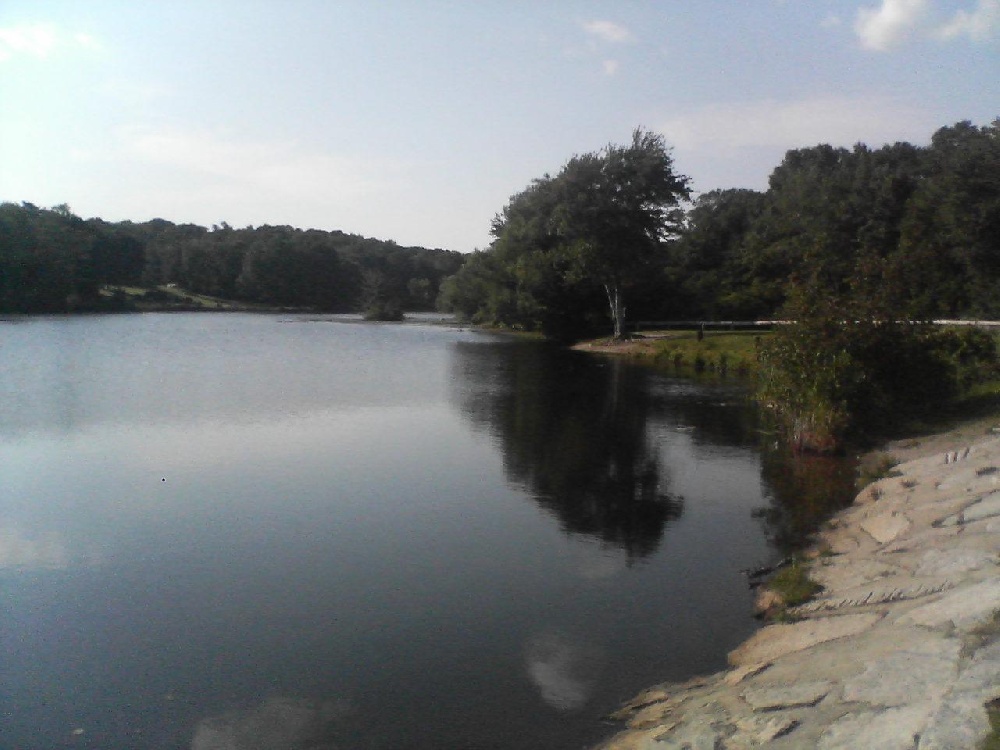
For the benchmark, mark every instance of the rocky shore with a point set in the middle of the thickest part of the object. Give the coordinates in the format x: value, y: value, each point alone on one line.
x: 901, y: 648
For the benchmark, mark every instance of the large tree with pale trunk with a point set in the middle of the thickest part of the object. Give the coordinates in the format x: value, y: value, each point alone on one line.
x: 602, y: 221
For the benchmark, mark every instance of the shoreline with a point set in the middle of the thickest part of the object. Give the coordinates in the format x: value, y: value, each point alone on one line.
x: 901, y: 649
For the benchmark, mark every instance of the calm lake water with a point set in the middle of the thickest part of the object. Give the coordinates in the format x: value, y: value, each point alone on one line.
x: 317, y: 533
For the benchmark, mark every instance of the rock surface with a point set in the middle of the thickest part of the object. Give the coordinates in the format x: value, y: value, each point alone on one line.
x: 902, y: 650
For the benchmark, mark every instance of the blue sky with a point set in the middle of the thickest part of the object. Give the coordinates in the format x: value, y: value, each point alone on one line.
x: 417, y: 120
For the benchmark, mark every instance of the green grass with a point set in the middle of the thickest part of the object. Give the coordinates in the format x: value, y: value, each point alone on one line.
x: 794, y: 585
x: 722, y: 353
x: 992, y: 740
x: 166, y: 297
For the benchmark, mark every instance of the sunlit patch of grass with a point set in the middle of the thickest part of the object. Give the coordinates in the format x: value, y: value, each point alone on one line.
x: 722, y: 353
x: 794, y: 585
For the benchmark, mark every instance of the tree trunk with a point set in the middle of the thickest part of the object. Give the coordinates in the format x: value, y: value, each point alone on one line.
x: 617, y: 308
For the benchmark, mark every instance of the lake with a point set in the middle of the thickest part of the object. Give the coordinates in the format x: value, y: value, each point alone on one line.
x: 249, y: 531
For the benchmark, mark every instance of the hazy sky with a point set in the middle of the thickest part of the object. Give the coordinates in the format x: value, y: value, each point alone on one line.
x: 416, y: 120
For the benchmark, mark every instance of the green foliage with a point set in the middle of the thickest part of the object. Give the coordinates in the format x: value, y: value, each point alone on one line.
x: 793, y: 584
x: 47, y: 262
x: 568, y: 245
x: 922, y: 223
x: 53, y: 261
x: 716, y: 352
x: 916, y: 228
x: 709, y: 264
x: 992, y: 740
x: 848, y: 366
x: 384, y: 311
x: 928, y: 218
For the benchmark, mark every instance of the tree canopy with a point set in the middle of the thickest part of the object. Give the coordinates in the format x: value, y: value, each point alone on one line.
x: 918, y: 226
x: 54, y: 261
x: 594, y: 230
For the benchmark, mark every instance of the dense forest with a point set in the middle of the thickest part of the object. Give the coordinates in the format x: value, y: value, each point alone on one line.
x: 919, y: 227
x: 612, y: 235
x: 54, y: 261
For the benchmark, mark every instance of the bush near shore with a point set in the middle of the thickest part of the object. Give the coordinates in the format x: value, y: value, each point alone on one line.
x: 827, y: 381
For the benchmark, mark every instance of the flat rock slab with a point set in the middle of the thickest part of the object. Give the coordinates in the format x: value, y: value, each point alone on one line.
x: 777, y: 640
x: 893, y: 729
x: 895, y: 679
x: 757, y: 731
x: 960, y: 479
x: 843, y: 573
x: 964, y: 607
x: 886, y: 527
x: 962, y: 719
x: 988, y: 507
x: 736, y: 676
x: 950, y: 562
x: 787, y: 696
x: 688, y: 737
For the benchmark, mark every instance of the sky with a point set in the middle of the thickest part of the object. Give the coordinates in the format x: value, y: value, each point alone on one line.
x: 417, y: 120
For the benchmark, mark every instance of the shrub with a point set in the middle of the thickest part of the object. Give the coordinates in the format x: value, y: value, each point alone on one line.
x: 843, y: 367
x: 794, y: 585
x: 384, y: 311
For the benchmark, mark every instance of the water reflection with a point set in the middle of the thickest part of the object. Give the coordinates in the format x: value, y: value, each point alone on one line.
x: 345, y: 514
x: 278, y: 723
x: 63, y: 375
x: 803, y: 492
x: 564, y: 669
x: 22, y: 551
x: 575, y: 434
x: 598, y: 563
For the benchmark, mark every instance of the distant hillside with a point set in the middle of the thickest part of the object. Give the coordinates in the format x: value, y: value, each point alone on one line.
x: 54, y: 261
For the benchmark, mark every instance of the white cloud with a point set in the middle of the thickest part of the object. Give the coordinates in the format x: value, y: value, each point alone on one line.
x: 46, y: 550
x: 791, y: 124
x: 883, y: 28
x: 610, y: 67
x: 887, y: 26
x: 831, y: 21
x: 88, y: 42
x: 36, y: 41
x: 981, y: 24
x: 40, y: 41
x: 607, y: 31
x: 563, y: 669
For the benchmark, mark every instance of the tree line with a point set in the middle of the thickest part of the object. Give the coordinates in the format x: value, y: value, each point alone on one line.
x: 918, y: 226
x: 611, y: 236
x: 54, y: 261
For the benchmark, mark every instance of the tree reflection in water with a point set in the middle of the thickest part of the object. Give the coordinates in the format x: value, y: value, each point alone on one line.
x: 803, y: 492
x: 574, y: 432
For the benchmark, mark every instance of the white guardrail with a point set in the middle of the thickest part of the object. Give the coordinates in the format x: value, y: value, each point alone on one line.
x: 648, y: 324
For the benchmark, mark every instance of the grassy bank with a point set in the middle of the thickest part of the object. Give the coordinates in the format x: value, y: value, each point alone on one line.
x: 170, y: 297
x: 688, y: 352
